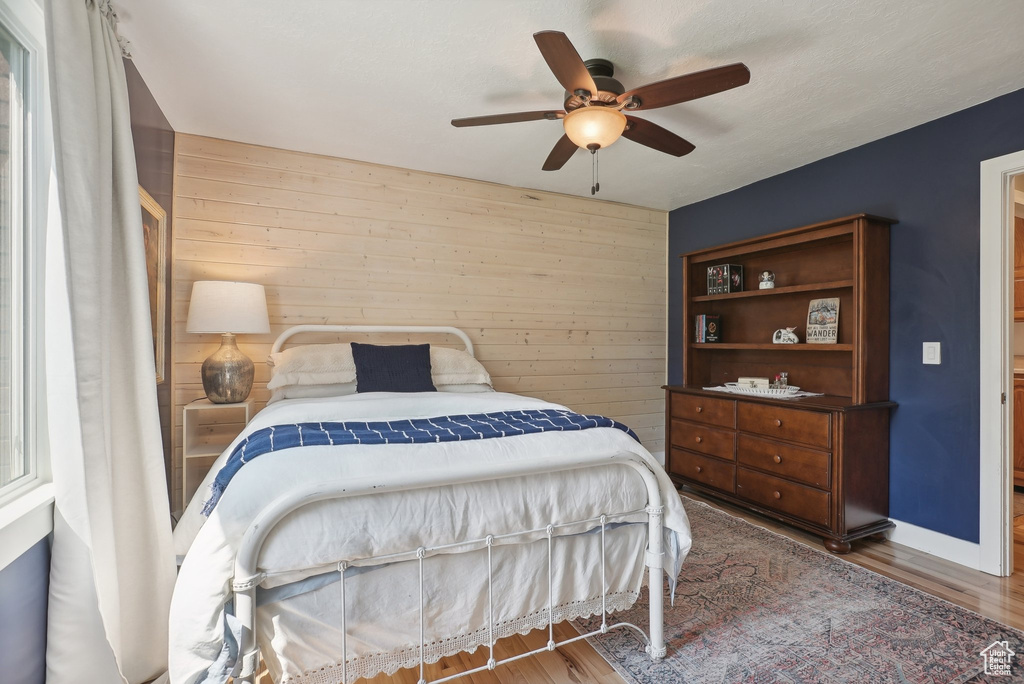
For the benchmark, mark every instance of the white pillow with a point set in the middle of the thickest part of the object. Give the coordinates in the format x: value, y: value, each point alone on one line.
x: 312, y: 364
x: 332, y: 364
x: 466, y: 389
x: 456, y: 367
x: 338, y: 389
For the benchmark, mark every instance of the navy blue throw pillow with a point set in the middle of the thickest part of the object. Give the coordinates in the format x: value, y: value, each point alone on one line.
x: 392, y: 368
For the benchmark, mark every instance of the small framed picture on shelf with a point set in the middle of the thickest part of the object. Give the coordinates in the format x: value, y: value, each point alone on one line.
x: 823, y: 321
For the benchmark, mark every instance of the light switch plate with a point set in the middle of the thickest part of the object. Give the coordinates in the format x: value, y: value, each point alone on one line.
x: 932, y: 353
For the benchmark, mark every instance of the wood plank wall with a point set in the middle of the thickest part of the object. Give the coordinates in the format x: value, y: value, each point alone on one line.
x: 564, y: 297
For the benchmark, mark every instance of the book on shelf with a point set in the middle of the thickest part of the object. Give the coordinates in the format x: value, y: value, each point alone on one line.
x: 725, y: 278
x: 707, y: 328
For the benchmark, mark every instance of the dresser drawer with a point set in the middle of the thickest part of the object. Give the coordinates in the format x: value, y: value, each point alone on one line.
x: 792, y: 425
x: 720, y: 412
x: 797, y: 463
x: 707, y: 471
x: 783, y: 496
x: 708, y: 440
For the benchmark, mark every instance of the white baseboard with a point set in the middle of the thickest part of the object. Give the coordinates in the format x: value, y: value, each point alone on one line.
x: 929, y: 541
x: 937, y: 544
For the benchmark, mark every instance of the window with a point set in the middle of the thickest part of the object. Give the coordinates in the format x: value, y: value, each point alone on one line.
x: 25, y: 163
x: 27, y: 207
x: 15, y: 464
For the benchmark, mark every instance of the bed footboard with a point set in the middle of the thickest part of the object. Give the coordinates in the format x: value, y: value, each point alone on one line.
x: 247, y: 575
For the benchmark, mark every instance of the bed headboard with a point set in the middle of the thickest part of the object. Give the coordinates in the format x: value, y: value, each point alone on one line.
x: 418, y: 329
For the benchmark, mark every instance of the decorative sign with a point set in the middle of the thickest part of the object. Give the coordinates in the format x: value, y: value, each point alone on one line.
x: 823, y: 321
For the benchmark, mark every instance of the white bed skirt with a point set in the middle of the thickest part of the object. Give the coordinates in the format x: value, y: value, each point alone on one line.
x: 301, y: 636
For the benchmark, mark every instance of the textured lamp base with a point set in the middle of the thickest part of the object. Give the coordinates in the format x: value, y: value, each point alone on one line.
x: 227, y: 373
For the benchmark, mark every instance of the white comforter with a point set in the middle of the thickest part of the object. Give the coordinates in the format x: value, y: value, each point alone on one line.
x: 393, y: 521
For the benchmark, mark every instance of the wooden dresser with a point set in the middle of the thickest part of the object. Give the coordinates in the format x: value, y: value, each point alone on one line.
x: 820, y: 463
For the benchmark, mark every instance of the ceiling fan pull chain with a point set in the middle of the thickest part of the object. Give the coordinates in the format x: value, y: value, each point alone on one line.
x: 595, y: 185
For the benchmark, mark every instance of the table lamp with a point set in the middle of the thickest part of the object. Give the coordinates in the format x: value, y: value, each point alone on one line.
x: 227, y: 308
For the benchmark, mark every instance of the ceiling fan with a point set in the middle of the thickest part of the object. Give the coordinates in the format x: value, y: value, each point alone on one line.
x: 594, y: 101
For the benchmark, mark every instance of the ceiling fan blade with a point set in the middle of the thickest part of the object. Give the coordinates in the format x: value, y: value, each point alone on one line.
x: 560, y: 154
x: 564, y: 61
x: 552, y: 115
x: 689, y: 87
x: 654, y: 136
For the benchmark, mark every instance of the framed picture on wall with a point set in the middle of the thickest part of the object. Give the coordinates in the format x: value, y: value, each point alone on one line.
x: 154, y: 233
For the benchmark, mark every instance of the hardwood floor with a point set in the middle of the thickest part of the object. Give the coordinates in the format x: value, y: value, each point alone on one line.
x: 1000, y: 598
x: 575, y: 664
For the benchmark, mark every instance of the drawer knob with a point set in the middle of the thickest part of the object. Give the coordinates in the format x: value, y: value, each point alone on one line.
x: 778, y: 496
x: 699, y: 439
x: 699, y: 469
x: 777, y: 458
x: 778, y: 423
x: 700, y: 409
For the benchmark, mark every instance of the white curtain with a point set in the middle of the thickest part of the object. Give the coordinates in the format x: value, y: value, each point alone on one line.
x: 112, y: 566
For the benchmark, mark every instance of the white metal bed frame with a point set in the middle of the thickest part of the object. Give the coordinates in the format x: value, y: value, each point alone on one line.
x: 398, y: 329
x: 247, y: 575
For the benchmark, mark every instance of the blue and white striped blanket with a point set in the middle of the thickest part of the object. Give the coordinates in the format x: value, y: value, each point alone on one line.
x: 414, y: 431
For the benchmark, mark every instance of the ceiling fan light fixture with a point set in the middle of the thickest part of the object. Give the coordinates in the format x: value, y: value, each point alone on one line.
x: 594, y: 127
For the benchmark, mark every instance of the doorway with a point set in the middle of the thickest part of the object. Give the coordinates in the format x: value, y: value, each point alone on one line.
x: 998, y: 262
x: 1016, y: 409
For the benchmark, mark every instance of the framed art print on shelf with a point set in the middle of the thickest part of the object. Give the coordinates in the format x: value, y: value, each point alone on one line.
x: 154, y: 234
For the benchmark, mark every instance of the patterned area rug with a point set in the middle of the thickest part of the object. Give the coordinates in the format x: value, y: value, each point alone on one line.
x: 754, y: 606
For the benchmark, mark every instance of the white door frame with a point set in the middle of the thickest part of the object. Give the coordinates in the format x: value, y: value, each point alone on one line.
x: 995, y: 537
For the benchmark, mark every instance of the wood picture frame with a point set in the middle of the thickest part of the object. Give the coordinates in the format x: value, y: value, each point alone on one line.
x: 154, y: 232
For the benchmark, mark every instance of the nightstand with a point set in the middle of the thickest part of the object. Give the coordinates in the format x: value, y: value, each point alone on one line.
x: 207, y: 430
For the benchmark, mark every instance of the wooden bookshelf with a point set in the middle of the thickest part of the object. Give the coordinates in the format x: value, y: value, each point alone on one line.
x: 847, y: 258
x: 819, y: 463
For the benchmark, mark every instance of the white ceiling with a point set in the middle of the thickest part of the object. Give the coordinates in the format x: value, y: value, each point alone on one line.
x: 379, y: 80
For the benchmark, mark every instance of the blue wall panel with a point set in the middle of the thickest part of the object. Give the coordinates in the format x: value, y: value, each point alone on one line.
x: 154, y: 158
x: 23, y: 598
x: 927, y: 178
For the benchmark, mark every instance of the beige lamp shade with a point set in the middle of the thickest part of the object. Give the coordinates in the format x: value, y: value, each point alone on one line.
x: 594, y: 127
x: 219, y: 306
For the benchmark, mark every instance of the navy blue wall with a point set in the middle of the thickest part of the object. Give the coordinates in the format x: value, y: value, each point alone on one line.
x: 23, y: 597
x: 927, y: 178
x: 154, y: 157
